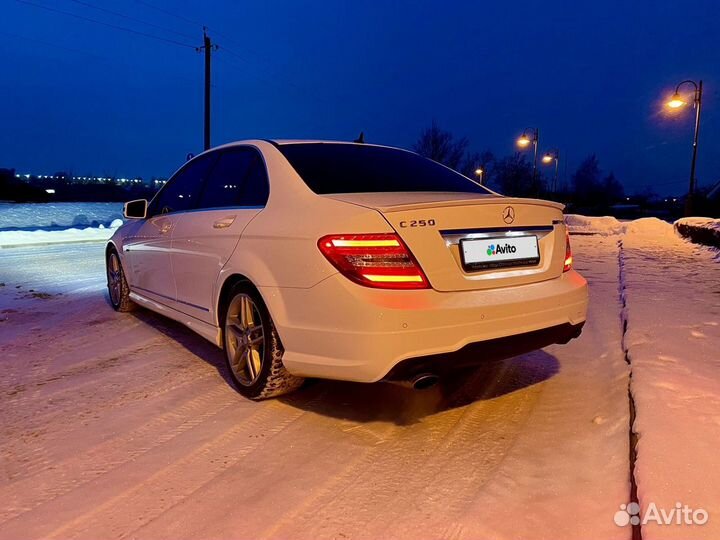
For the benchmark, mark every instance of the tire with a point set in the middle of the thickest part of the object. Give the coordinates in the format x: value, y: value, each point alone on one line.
x: 253, y: 351
x: 118, y: 289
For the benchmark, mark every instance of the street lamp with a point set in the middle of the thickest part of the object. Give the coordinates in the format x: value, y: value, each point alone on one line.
x: 479, y: 173
x: 530, y: 136
x: 677, y: 102
x: 547, y: 159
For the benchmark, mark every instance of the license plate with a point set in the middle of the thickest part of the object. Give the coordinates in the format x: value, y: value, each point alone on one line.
x: 500, y: 252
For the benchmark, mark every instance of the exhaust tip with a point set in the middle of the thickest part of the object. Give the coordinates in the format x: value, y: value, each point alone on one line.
x: 424, y: 381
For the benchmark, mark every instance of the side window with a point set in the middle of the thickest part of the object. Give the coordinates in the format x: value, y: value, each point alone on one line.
x: 182, y: 190
x: 256, y: 188
x: 238, y: 179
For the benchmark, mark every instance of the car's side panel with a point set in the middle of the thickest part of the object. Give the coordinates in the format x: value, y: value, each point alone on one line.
x: 202, y: 243
x: 208, y: 331
x: 147, y: 252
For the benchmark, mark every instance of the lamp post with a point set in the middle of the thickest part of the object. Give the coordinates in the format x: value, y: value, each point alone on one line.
x: 549, y: 157
x: 524, y: 141
x: 479, y: 172
x: 677, y: 102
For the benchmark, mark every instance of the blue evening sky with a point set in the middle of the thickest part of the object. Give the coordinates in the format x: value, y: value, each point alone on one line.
x: 592, y: 75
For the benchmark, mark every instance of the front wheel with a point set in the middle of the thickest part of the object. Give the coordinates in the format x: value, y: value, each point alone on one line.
x: 253, y: 349
x: 118, y: 289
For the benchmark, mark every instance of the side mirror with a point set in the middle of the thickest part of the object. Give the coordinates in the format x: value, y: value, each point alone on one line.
x: 136, y: 209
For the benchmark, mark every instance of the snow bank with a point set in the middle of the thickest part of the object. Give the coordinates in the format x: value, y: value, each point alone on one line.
x: 39, y: 237
x: 33, y: 216
x: 672, y: 338
x: 602, y: 225
x: 700, y: 230
x: 650, y: 226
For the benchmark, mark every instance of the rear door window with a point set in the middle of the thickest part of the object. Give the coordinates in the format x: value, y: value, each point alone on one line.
x: 239, y: 178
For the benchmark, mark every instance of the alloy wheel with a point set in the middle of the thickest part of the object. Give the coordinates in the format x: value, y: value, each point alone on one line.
x: 114, y: 276
x: 245, y: 339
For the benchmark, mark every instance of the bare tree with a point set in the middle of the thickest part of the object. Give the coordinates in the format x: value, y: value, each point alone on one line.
x: 441, y: 146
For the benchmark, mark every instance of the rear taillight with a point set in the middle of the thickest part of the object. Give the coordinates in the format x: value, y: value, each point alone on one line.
x: 374, y: 260
x: 568, y: 254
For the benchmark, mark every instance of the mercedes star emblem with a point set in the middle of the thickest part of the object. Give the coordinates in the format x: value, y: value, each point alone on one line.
x: 509, y: 215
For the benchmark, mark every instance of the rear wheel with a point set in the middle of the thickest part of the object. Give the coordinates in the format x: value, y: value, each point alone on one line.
x: 117, y: 284
x: 252, y: 347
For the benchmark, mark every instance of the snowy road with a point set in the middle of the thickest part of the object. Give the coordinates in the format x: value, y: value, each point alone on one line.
x: 125, y: 425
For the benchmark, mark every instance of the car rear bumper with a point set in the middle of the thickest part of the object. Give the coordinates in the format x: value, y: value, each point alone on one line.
x: 340, y: 330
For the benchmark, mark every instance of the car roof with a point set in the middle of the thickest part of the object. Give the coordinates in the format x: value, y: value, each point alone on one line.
x: 286, y: 142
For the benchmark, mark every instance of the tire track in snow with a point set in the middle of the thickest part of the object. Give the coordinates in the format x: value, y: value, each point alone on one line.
x: 455, y: 474
x: 111, y: 454
x: 387, y: 478
x: 186, y: 476
x: 39, y: 457
x: 632, y: 434
x: 99, y: 363
x: 34, y: 426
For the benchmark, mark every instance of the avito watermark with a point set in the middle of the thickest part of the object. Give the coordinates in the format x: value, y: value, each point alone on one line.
x: 680, y: 514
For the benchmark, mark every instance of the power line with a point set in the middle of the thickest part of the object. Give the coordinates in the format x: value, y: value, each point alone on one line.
x: 171, y: 13
x: 198, y: 23
x: 109, y: 25
x: 105, y: 59
x: 129, y: 18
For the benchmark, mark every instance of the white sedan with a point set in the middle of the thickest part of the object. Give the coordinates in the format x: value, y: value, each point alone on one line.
x: 345, y: 261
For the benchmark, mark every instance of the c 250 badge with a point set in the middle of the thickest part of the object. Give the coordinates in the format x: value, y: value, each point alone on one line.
x: 418, y: 223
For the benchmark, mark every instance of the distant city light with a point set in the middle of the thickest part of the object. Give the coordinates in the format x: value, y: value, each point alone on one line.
x: 99, y: 179
x: 50, y: 191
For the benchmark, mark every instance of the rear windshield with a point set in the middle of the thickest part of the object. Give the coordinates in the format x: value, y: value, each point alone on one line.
x: 356, y: 168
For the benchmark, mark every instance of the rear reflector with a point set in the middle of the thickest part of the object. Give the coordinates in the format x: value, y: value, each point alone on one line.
x: 568, y: 254
x: 374, y: 260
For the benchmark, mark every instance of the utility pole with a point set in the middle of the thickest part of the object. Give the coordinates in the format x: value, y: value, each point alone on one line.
x: 207, y: 48
x: 677, y: 101
x: 689, y: 206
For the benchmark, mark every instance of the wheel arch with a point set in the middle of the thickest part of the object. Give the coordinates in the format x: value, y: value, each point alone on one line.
x: 223, y: 298
x: 109, y: 247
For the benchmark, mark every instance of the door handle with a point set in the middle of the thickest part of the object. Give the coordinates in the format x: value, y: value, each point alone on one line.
x: 224, y: 223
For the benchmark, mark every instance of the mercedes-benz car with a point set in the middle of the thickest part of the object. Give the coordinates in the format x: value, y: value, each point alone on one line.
x: 345, y: 261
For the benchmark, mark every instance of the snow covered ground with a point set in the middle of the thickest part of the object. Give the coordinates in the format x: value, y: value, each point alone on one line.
x: 672, y: 292
x: 125, y: 425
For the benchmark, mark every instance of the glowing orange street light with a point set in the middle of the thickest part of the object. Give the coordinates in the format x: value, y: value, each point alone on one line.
x: 676, y: 102
x: 524, y: 141
x: 547, y: 159
x: 479, y: 173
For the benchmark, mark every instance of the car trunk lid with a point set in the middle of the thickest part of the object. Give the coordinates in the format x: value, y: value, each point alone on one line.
x: 436, y: 226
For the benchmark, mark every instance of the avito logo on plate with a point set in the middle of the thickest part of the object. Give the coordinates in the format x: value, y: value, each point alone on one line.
x: 499, y: 250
